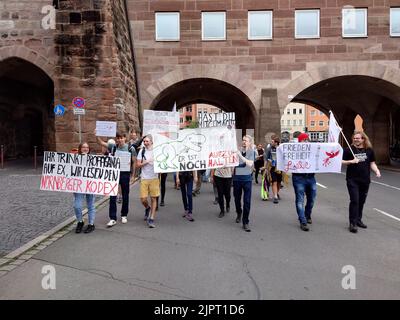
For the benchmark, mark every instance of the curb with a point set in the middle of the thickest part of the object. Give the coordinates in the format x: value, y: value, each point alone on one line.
x: 28, y: 250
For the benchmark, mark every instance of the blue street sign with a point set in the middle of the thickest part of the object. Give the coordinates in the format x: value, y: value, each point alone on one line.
x: 59, y: 110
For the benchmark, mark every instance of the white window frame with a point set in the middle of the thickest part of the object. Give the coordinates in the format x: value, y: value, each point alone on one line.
x: 391, y: 20
x: 319, y: 123
x: 249, y: 37
x: 179, y: 25
x: 202, y: 26
x: 312, y: 123
x: 315, y: 36
x: 365, y: 35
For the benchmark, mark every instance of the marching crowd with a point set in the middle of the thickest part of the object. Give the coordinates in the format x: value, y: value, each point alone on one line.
x: 359, y: 159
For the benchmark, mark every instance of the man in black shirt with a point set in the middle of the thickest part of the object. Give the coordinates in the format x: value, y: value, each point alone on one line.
x: 360, y: 160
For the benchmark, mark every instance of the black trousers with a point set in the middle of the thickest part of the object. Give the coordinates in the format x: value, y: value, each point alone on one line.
x: 224, y: 186
x: 358, y: 192
x: 162, y: 183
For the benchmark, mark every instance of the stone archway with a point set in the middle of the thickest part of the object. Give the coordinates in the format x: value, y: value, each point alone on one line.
x: 26, y: 102
x: 369, y: 89
x: 210, y: 91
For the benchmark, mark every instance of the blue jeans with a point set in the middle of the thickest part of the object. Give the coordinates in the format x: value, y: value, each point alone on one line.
x: 187, y: 195
x: 307, y: 185
x: 238, y: 187
x: 124, y: 179
x: 78, y: 199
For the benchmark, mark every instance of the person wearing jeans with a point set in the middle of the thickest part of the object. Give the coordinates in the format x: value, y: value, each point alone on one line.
x: 304, y: 183
x: 222, y: 179
x: 78, y: 201
x: 185, y: 181
x: 242, y: 181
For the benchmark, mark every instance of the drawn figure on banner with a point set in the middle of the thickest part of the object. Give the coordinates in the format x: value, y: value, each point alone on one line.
x: 331, y: 155
x: 172, y: 150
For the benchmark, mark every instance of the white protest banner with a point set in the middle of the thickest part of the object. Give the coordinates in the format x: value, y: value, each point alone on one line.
x: 125, y: 157
x: 309, y: 157
x: 161, y: 122
x: 207, y: 120
x: 196, y: 149
x: 106, y: 129
x: 334, y: 129
x: 68, y: 172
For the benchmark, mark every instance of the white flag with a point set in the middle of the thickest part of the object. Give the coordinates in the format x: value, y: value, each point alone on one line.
x: 174, y: 108
x: 334, y: 129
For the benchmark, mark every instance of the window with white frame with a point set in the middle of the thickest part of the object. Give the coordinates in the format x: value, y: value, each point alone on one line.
x: 288, y: 122
x: 313, y: 112
x: 354, y: 22
x: 259, y: 25
x: 300, y: 122
x: 295, y: 122
x: 312, y: 123
x: 213, y: 25
x: 167, y: 26
x: 300, y: 111
x: 307, y: 24
x: 287, y: 111
x: 395, y: 22
x: 321, y: 123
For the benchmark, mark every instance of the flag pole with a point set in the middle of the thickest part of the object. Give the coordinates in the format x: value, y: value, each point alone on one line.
x: 341, y: 131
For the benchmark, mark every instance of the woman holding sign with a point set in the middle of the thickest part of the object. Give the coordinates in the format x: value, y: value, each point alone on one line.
x: 78, y: 200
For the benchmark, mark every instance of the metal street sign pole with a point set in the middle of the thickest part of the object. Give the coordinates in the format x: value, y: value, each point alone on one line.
x: 80, y: 133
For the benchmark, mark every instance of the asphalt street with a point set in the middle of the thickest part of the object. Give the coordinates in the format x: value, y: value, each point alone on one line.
x: 214, y: 258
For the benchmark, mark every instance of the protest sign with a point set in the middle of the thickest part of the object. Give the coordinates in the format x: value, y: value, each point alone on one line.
x: 68, y: 172
x: 106, y: 128
x: 196, y: 149
x: 309, y: 157
x: 207, y: 120
x: 125, y: 157
x: 161, y: 122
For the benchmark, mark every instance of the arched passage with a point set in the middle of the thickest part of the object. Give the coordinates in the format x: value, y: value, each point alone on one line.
x: 26, y: 113
x: 374, y: 99
x: 210, y: 91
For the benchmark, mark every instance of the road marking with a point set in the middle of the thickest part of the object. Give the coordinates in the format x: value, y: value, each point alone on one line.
x: 322, y: 186
x: 384, y: 184
x: 387, y: 214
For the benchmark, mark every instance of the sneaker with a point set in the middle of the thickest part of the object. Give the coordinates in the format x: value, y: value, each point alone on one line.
x: 146, y: 213
x: 185, y: 214
x: 276, y: 200
x: 124, y: 219
x: 89, y: 228
x: 279, y: 197
x: 246, y: 228
x: 189, y: 217
x: 215, y: 201
x: 79, y: 227
x: 111, y: 223
x: 221, y: 214
x: 361, y: 225
x: 162, y: 204
x: 303, y: 226
x: 150, y: 223
x: 309, y: 221
x: 353, y: 228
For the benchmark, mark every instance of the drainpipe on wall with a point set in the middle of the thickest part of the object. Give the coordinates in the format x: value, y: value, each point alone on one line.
x: 134, y: 66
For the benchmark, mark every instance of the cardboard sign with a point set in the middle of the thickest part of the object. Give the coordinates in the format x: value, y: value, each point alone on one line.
x: 160, y: 122
x: 196, y: 149
x: 106, y: 128
x: 126, y: 158
x: 68, y: 172
x: 208, y: 120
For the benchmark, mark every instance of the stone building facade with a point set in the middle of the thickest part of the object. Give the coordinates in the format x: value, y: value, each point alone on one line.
x: 88, y: 54
x: 258, y: 78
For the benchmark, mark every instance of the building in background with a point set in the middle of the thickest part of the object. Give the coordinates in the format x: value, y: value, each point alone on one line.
x: 293, y: 120
x: 190, y: 114
x: 317, y: 124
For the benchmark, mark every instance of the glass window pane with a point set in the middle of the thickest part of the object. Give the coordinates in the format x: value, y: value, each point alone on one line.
x: 167, y: 26
x: 260, y: 25
x: 307, y: 24
x: 213, y: 24
x: 354, y: 22
x: 395, y: 21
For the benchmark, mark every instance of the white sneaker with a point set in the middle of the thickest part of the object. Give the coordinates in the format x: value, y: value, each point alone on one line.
x: 124, y: 219
x: 111, y: 223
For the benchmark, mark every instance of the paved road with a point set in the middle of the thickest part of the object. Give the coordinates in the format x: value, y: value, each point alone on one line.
x: 214, y: 258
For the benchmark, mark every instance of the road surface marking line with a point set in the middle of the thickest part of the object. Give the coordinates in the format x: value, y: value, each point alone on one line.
x: 387, y: 214
x: 386, y: 185
x: 322, y: 186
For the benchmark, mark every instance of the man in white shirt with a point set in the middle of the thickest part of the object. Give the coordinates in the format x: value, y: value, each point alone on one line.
x: 149, y: 182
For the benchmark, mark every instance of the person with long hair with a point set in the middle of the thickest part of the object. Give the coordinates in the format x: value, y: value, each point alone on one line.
x: 360, y: 160
x: 83, y: 148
